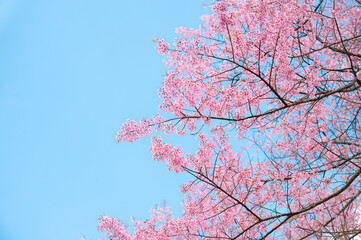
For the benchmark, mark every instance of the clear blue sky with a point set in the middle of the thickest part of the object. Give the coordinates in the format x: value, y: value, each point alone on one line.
x: 71, y: 72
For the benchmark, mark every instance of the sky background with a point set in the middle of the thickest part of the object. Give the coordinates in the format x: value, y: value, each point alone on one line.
x: 71, y: 72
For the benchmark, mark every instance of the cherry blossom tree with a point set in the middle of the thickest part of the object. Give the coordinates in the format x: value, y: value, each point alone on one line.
x: 271, y: 90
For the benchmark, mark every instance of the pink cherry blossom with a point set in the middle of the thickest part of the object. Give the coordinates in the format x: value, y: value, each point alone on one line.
x: 271, y: 92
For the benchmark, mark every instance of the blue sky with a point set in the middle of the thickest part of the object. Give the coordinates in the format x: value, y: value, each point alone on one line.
x: 71, y: 72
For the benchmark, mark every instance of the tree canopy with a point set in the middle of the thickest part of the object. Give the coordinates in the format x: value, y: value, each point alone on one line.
x: 280, y: 80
